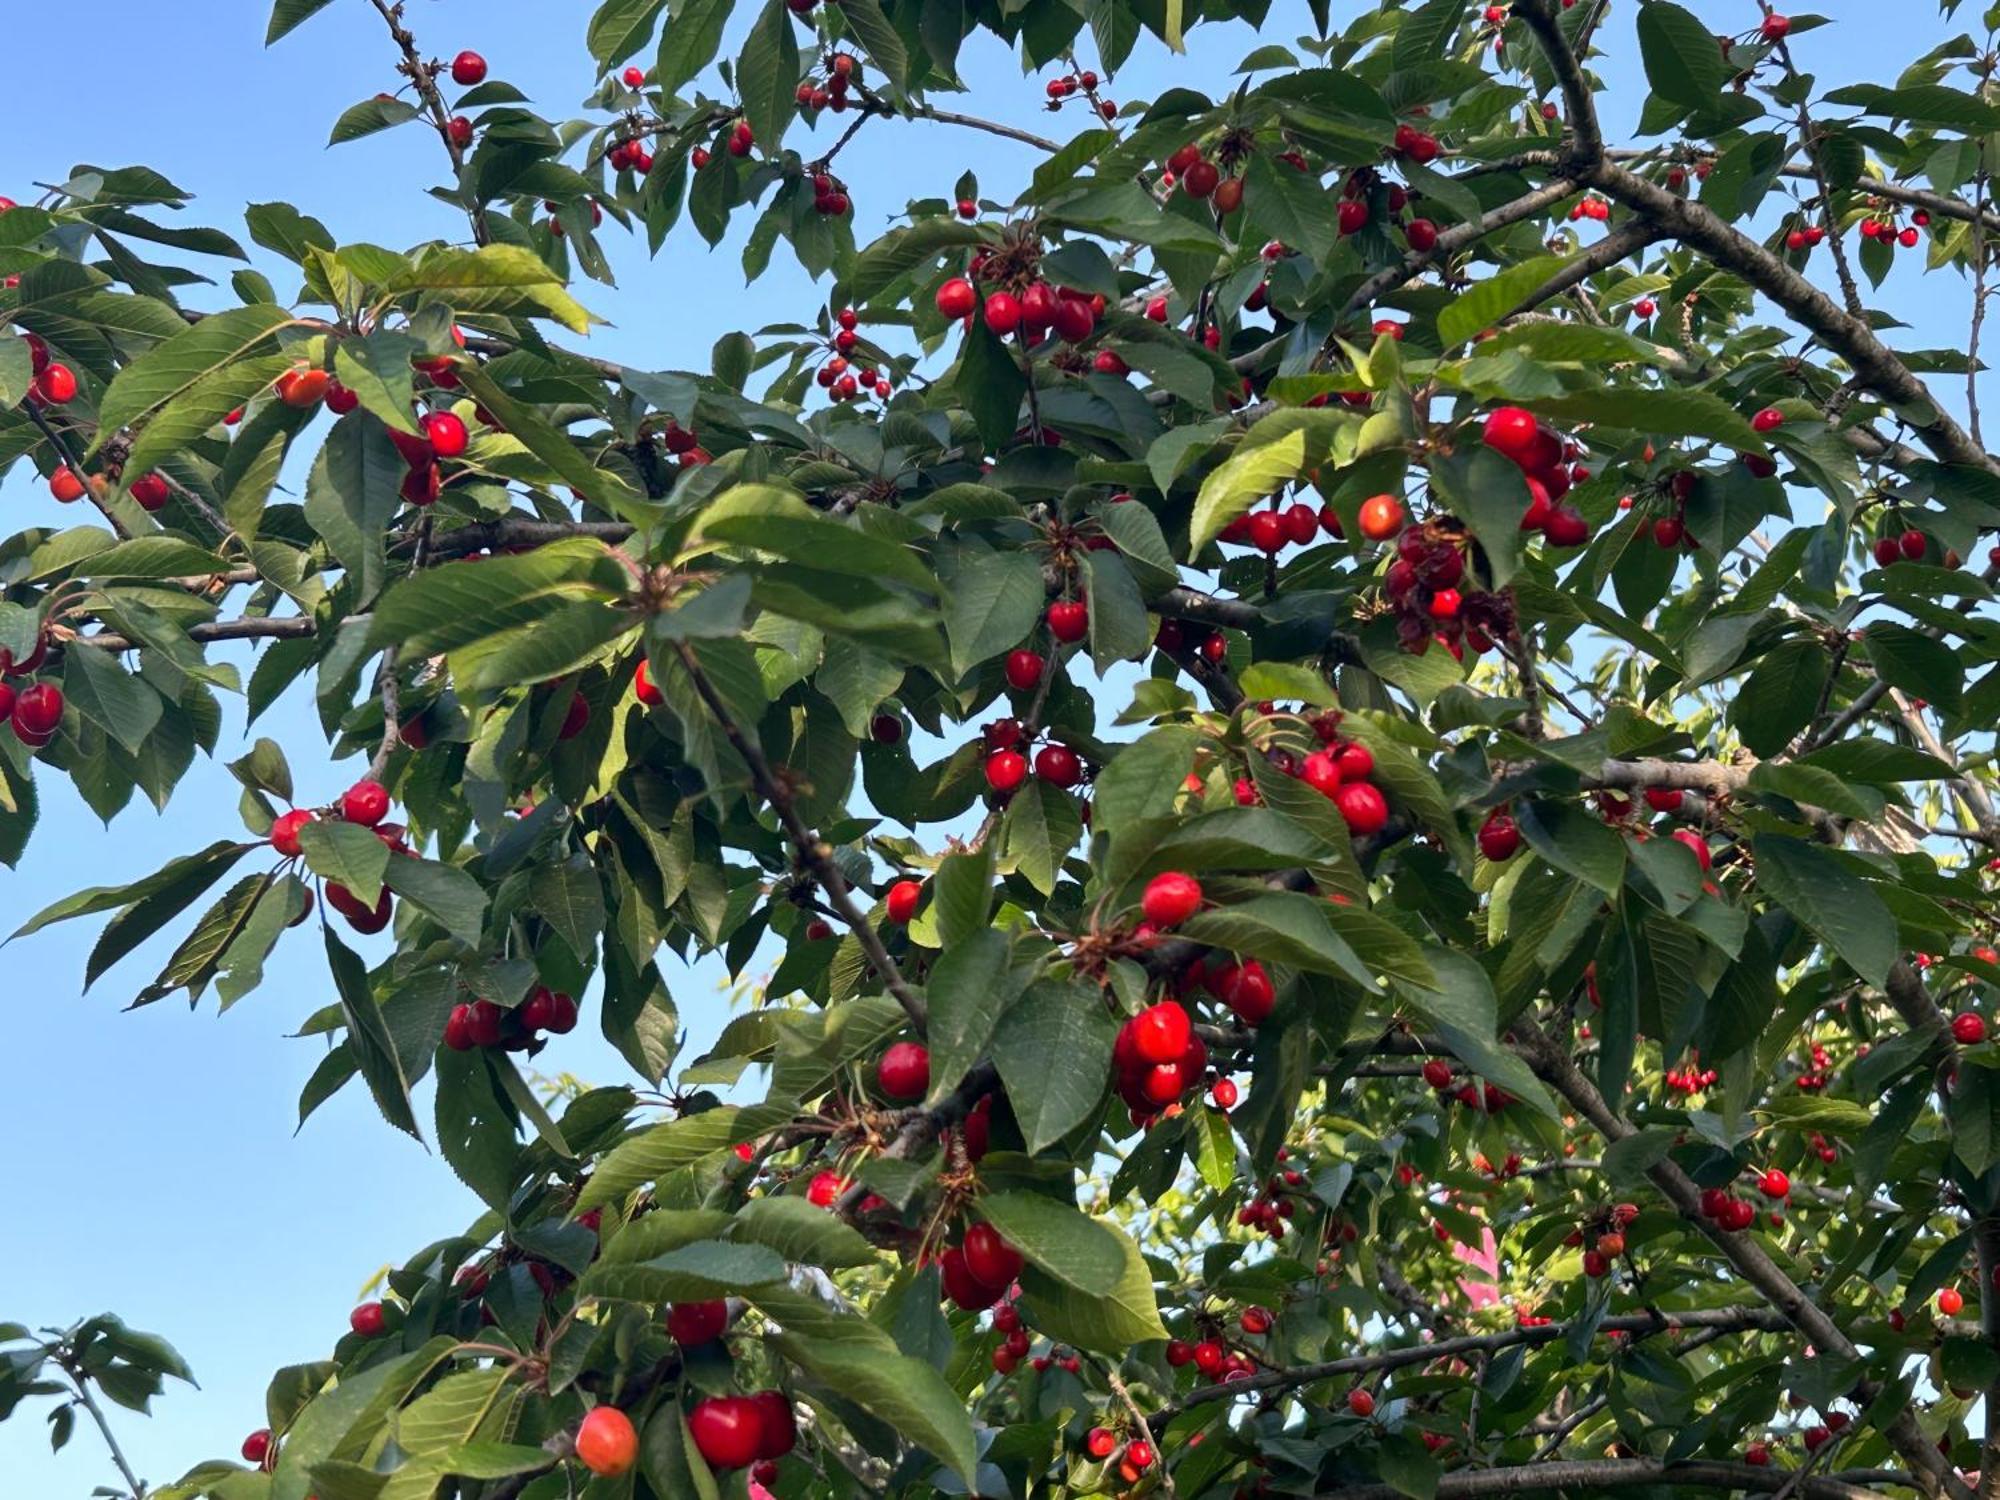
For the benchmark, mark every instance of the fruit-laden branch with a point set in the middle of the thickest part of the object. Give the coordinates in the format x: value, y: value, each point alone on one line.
x: 1938, y: 205
x: 1639, y: 1325
x: 814, y: 854
x: 928, y: 1123
x: 1617, y: 1473
x: 1558, y: 1069
x: 419, y: 74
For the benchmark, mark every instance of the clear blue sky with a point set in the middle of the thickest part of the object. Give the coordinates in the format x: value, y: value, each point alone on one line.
x: 151, y: 1166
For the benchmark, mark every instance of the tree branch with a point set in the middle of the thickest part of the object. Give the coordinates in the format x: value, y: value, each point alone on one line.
x: 1618, y: 1473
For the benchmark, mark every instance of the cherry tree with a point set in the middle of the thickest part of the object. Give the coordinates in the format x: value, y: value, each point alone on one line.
x: 1492, y: 1002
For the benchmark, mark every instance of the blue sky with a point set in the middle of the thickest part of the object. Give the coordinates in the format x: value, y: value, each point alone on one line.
x: 152, y: 1167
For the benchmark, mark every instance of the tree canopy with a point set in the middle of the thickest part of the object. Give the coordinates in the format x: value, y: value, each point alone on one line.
x: 1349, y: 736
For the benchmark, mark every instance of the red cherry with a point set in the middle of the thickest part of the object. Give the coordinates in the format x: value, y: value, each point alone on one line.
x: 1058, y: 765
x: 446, y: 431
x: 56, y: 384
x: 65, y: 485
x: 1968, y: 1028
x: 467, y: 69
x: 1770, y: 419
x: 1351, y: 216
x: 778, y: 1427
x: 956, y: 298
x: 1421, y: 235
x: 1697, y: 845
x: 1774, y: 1184
x: 825, y: 1189
x: 1912, y: 544
x: 257, y: 1446
x: 1069, y: 620
x: 1437, y: 1073
x: 1006, y: 770
x: 727, y: 1431
x: 1499, y: 837
x: 366, y: 803
x: 1512, y: 432
x: 1161, y: 1033
x: 1950, y: 1301
x: 989, y: 1258
x: 1566, y: 527
x: 644, y: 688
x: 1170, y: 899
x: 285, y: 831
x: 149, y: 491
x: 1003, y: 313
x: 368, y: 1320
x: 1774, y: 28
x: 575, y: 717
x: 1024, y: 669
x: 1365, y: 809
x: 1267, y: 531
x: 904, y: 1072
x: 1381, y: 517
x: 1224, y: 1094
x: 901, y: 902
x: 697, y: 1322
x: 1886, y: 550
x: 964, y: 1288
x: 606, y: 1442
x: 1360, y: 1403
x: 302, y: 389
x: 458, y: 1029
x: 1246, y: 989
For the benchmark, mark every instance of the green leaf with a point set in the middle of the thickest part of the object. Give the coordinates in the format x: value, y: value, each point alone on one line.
x: 1293, y: 205
x: 1841, y: 907
x: 445, y: 893
x: 1283, y: 927
x: 620, y: 28
x: 152, y: 557
x: 1489, y: 494
x: 811, y: 542
x: 1119, y: 630
x: 571, y: 897
x: 287, y: 14
x: 347, y: 854
x: 1110, y: 1323
x: 351, y: 496
x: 692, y: 35
x: 1683, y: 64
x: 370, y: 116
x: 1462, y: 1006
x: 878, y: 36
x: 1815, y: 787
x: 368, y: 1036
x: 1081, y: 1252
x: 1668, y: 413
x: 995, y: 604
x: 120, y: 704
x: 177, y: 366
x: 803, y: 1232
x: 907, y: 1394
x: 1143, y: 779
x: 989, y: 384
x: 1916, y: 663
x: 206, y: 866
x: 602, y: 488
x: 1053, y: 1049
x: 377, y: 369
x: 970, y: 987
x: 662, y: 1149
x: 1491, y: 300
x: 1041, y: 826
x: 441, y: 610
x: 1574, y: 842
x: 767, y: 75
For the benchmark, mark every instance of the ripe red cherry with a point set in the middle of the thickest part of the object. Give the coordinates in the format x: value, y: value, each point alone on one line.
x: 302, y: 389
x: 1511, y: 431
x: 1224, y: 1094
x: 606, y: 1442
x: 727, y: 1431
x: 467, y: 69
x: 1003, y: 312
x: 1968, y: 1028
x: 1073, y: 321
x: 1499, y: 838
x: 1360, y: 1403
x: 779, y: 1428
x: 1381, y: 517
x: 967, y: 1290
x: 1437, y: 1073
x: 149, y: 491
x: 989, y: 1257
x: 1200, y: 178
x: 458, y: 1029
x: 1887, y: 549
x: 1247, y: 990
x: 1058, y: 765
x: 1069, y: 620
x: 1770, y: 419
x: 1170, y: 899
x: 1160, y: 1033
x: 257, y: 1446
x: 1775, y: 28
x: 905, y: 1071
x: 1267, y: 531
x: 1006, y: 770
x: 1445, y: 604
x: 446, y: 431
x: 1664, y: 798
x: 56, y: 384
x: 1775, y: 1184
x: 885, y: 729
x: 1363, y: 806
x: 460, y: 130
x: 366, y: 803
x: 1566, y: 527
x: 902, y: 900
x: 956, y: 298
x: 65, y: 485
x: 825, y: 1189
x: 368, y: 1320
x: 1738, y: 1214
x: 285, y: 831
x: 1351, y: 216
x: 1912, y: 544
x: 645, y: 689
x: 1024, y: 669
x: 1101, y: 1442
x: 1422, y: 235
x: 1950, y: 1301
x: 690, y: 1323
x: 1355, y: 762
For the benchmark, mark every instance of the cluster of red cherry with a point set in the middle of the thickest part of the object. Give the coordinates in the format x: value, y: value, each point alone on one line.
x: 1357, y: 196
x: 1274, y: 1205
x: 35, y: 710
x: 1156, y: 1059
x: 1884, y: 230
x: 1815, y: 1079
x: 1545, y: 460
x: 1590, y: 206
x: 1726, y: 1210
x: 1038, y: 308
x: 1271, y: 531
x: 54, y: 383
x: 1211, y: 1357
x: 365, y: 804
x: 843, y: 380
x: 978, y: 1270
x: 1689, y: 1080
x: 1079, y: 81
x: 1339, y: 771
x: 1422, y: 586
x: 485, y: 1024
x: 843, y: 71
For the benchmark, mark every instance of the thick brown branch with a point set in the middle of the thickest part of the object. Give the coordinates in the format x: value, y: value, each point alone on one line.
x: 1619, y: 1473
